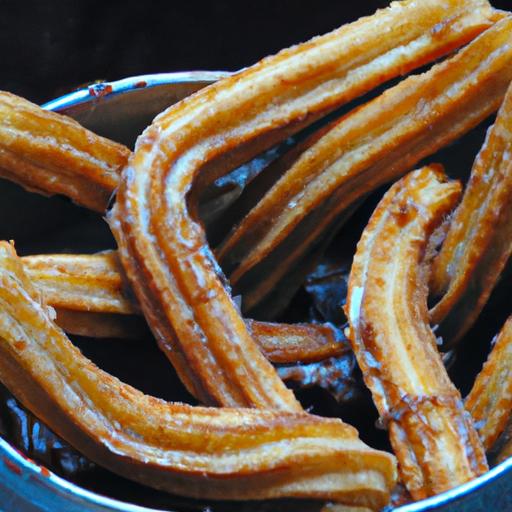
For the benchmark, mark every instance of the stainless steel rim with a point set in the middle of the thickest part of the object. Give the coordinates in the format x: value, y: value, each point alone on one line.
x: 97, y: 91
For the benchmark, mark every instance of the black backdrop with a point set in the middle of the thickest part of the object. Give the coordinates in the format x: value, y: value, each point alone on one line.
x: 50, y: 47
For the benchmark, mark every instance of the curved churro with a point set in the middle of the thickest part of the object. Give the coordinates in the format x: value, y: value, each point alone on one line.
x: 52, y: 154
x: 89, y: 294
x: 372, y: 145
x: 192, y: 451
x: 415, y: 34
x: 432, y: 435
x: 92, y: 299
x: 163, y: 246
x: 490, y: 399
x: 479, y: 241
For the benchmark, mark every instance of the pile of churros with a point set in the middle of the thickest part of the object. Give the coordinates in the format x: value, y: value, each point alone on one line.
x: 425, y: 266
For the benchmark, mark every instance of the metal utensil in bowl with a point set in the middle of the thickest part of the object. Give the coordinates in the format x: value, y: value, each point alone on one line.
x: 120, y: 110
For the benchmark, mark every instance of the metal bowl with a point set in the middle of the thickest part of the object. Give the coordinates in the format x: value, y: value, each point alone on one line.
x: 120, y: 110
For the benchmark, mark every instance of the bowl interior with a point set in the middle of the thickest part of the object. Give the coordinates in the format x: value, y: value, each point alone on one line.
x: 120, y: 110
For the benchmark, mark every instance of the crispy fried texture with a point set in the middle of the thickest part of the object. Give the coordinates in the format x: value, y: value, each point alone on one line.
x: 51, y: 154
x: 163, y: 245
x: 490, y: 399
x: 367, y: 148
x: 479, y: 240
x: 192, y: 451
x: 91, y: 298
x: 432, y: 435
x: 82, y: 282
x: 409, y: 43
x: 291, y: 343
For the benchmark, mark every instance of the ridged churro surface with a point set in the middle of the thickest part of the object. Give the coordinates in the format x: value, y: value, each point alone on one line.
x: 92, y: 298
x: 374, y: 144
x: 432, y: 435
x: 479, y: 240
x: 51, y: 154
x: 490, y: 399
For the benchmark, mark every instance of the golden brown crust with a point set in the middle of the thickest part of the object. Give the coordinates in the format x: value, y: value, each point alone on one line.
x: 228, y: 453
x: 372, y: 145
x: 280, y: 343
x: 490, y: 399
x: 193, y: 451
x: 479, y: 240
x: 292, y: 343
x: 82, y: 282
x: 52, y: 154
x: 163, y: 246
x: 431, y: 433
x: 415, y: 34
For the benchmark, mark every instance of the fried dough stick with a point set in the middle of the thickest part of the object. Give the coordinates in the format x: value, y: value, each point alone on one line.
x: 162, y: 244
x: 51, y: 154
x: 191, y: 451
x: 490, y: 399
x: 91, y: 298
x: 82, y: 282
x: 479, y: 241
x: 432, y: 435
x: 367, y: 148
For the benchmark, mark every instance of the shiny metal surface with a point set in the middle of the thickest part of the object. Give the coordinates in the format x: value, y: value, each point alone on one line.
x: 121, y: 110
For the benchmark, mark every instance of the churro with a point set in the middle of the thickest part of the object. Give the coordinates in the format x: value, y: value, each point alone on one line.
x: 92, y: 298
x: 432, y: 435
x: 52, y: 154
x: 372, y: 145
x: 479, y: 240
x: 490, y: 399
x: 192, y: 451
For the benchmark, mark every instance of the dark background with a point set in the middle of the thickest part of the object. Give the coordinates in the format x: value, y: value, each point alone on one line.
x: 50, y: 47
